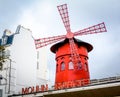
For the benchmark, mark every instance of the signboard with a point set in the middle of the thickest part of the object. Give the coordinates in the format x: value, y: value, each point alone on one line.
x: 7, y: 40
x: 34, y: 89
x: 71, y: 84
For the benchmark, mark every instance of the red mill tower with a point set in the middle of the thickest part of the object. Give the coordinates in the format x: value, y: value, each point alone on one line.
x: 71, y: 54
x: 69, y: 73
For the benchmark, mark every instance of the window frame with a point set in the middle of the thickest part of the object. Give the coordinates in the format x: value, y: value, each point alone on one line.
x: 62, y: 66
x: 70, y: 65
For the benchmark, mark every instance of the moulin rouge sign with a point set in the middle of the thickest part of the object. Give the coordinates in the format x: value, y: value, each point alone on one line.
x: 58, y: 86
x: 34, y: 89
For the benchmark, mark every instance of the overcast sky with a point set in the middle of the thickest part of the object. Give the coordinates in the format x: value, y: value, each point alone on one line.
x: 42, y: 18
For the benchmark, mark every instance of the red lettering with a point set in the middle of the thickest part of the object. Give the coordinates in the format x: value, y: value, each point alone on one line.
x: 42, y: 87
x: 55, y: 86
x: 37, y: 88
x: 64, y: 85
x: 46, y: 88
x: 25, y: 90
x: 78, y: 83
x: 73, y: 83
x: 31, y: 89
x: 70, y: 84
x: 59, y: 86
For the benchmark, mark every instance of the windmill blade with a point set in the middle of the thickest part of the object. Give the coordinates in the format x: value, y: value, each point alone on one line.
x: 75, y: 57
x: 99, y: 28
x: 63, y: 11
x: 41, y: 42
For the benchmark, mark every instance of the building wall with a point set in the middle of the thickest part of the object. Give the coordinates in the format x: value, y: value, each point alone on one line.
x: 23, y: 55
x: 41, y: 66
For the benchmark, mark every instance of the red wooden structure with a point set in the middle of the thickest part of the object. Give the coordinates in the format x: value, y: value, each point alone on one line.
x: 71, y: 53
x: 66, y: 71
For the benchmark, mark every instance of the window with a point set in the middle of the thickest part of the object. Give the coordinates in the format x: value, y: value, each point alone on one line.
x: 79, y: 65
x: 37, y: 54
x: 37, y: 65
x: 62, y: 66
x: 71, y: 65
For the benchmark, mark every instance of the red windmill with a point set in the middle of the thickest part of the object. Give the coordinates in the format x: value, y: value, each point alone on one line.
x: 71, y: 53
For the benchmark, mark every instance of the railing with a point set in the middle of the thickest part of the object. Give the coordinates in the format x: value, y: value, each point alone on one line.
x: 105, y: 80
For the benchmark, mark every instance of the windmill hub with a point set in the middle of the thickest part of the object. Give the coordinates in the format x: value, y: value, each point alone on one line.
x: 70, y: 35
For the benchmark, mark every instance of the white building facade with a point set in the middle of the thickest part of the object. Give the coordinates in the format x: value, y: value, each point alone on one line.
x: 25, y: 66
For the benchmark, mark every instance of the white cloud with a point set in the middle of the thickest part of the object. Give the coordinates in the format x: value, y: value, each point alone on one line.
x: 36, y: 18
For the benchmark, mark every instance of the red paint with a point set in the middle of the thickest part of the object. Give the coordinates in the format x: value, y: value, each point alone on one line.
x: 67, y: 75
